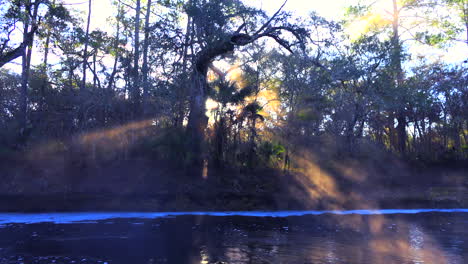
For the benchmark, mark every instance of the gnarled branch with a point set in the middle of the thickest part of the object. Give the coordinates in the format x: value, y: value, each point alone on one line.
x: 18, y: 51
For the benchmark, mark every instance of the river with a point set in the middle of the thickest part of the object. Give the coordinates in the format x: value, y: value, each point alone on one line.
x: 359, y: 236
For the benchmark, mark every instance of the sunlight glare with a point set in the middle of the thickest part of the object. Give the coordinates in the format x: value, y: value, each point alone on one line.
x: 379, y: 15
x: 106, y: 141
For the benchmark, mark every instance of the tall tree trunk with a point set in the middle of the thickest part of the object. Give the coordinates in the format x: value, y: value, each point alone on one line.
x: 70, y: 74
x: 136, y: 57
x: 398, y: 75
x: 456, y: 136
x: 420, y: 141
x: 350, y: 135
x: 128, y: 80
x: 197, y: 119
x: 429, y: 139
x: 145, y: 68
x: 219, y: 141
x: 24, y: 73
x: 85, y: 52
x: 81, y: 108
x: 464, y: 131
x: 401, y: 130
x: 446, y: 128
x: 392, y: 141
x: 252, y: 137
x: 95, y: 78
x: 26, y: 62
x: 45, y: 63
x: 360, y: 132
x: 182, y: 89
x: 110, y: 84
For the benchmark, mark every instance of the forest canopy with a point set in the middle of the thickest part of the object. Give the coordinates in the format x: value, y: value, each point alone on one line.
x: 231, y: 84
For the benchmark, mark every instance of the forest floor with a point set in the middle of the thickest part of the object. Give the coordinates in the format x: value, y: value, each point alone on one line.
x: 142, y: 184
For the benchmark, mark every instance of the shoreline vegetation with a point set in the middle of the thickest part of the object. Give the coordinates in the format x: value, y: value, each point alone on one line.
x: 328, y: 180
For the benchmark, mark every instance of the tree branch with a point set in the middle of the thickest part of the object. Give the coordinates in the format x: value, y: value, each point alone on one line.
x: 18, y: 51
x: 271, y: 19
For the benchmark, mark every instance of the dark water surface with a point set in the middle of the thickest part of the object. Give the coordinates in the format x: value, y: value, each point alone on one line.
x: 376, y: 237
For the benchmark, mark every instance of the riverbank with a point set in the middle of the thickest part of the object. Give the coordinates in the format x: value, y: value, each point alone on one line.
x: 149, y: 187
x: 320, y: 180
x: 150, y: 203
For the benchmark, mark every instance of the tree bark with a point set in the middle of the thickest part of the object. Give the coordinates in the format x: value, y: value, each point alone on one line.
x: 136, y: 57
x: 110, y: 84
x: 182, y: 89
x: 20, y: 50
x: 85, y: 52
x: 398, y: 75
x: 45, y: 67
x: 145, y: 68
x: 26, y: 63
x: 252, y: 145
x: 95, y: 77
x: 401, y: 131
x: 197, y: 119
x: 24, y: 74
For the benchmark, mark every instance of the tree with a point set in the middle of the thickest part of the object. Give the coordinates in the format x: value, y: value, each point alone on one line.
x: 219, y: 38
x: 8, y: 54
x: 462, y: 7
x: 30, y: 22
x: 451, y: 26
x: 14, y: 13
x: 135, y: 93
x: 145, y: 68
x: 402, y: 17
x: 85, y: 51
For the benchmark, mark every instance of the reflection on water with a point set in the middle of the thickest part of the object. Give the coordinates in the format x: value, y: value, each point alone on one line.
x: 198, y: 239
x: 416, y: 240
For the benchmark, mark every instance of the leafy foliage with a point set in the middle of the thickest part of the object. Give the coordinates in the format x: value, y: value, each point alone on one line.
x: 325, y: 84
